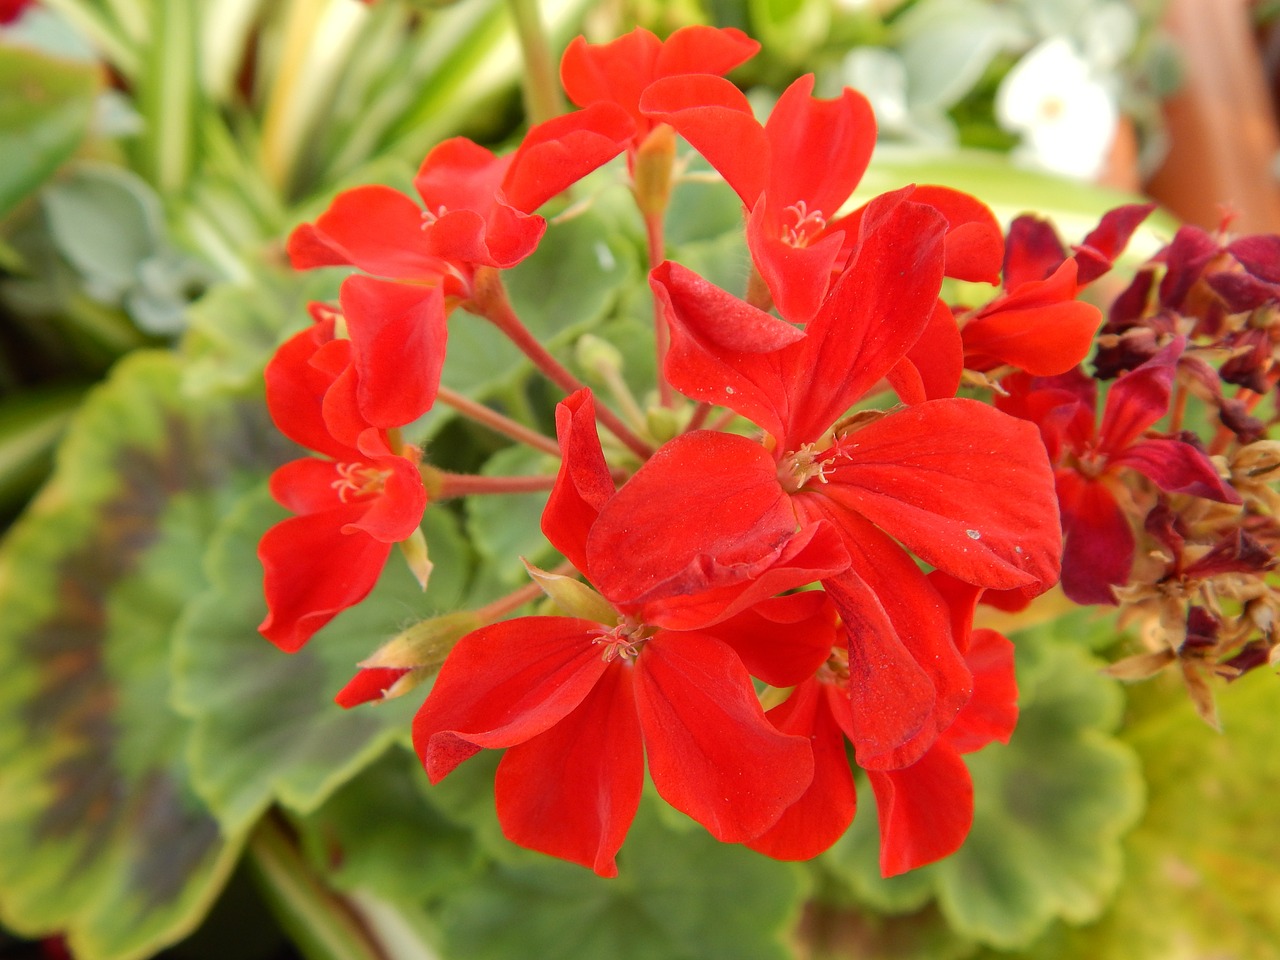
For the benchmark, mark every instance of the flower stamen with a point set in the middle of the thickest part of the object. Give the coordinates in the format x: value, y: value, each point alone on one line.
x: 809, y: 223
x: 355, y: 479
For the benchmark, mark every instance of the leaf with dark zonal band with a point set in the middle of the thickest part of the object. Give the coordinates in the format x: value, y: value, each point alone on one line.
x: 100, y: 833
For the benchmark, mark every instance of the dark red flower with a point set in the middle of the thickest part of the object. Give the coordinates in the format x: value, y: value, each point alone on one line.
x: 579, y: 702
x: 1092, y: 459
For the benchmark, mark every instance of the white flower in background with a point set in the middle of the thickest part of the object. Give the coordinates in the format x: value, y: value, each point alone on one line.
x: 1066, y: 116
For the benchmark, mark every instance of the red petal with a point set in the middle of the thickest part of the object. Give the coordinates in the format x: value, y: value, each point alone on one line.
x: 312, y: 572
x: 1177, y: 467
x: 992, y: 711
x: 1138, y: 399
x: 702, y: 512
x: 1039, y: 326
x: 932, y: 368
x: 370, y: 683
x: 722, y: 348
x: 819, y: 149
x: 558, y: 153
x: 797, y: 277
x: 459, y: 174
x: 701, y: 49
x: 399, y: 335
x: 812, y: 554
x: 296, y: 388
x: 1099, y: 544
x: 374, y: 228
x: 921, y: 624
x: 1107, y: 241
x: 717, y: 120
x: 823, y: 813
x: 504, y: 684
x: 583, y: 485
x: 394, y: 514
x: 712, y: 754
x: 974, y: 243
x: 925, y: 810
x: 873, y: 316
x: 1032, y: 253
x: 782, y: 640
x: 617, y: 71
x: 309, y: 485
x: 573, y: 791
x: 965, y: 487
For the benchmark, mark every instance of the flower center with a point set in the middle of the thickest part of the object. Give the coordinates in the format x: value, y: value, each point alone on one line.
x: 800, y: 466
x: 623, y: 641
x: 429, y: 217
x: 358, y: 480
x: 808, y: 224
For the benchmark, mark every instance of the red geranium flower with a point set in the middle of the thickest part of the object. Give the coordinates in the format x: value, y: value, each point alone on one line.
x: 925, y: 808
x: 579, y: 702
x: 964, y: 487
x: 355, y: 501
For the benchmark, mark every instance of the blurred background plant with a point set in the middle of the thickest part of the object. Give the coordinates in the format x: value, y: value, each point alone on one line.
x: 153, y: 156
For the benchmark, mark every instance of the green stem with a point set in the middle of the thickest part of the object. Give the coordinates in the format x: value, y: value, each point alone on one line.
x: 320, y: 923
x: 541, y: 83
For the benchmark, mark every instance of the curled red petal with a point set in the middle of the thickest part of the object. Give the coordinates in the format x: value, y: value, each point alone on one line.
x: 932, y: 368
x: 1038, y: 327
x: 992, y: 711
x: 504, y: 684
x: 782, y: 640
x: 717, y: 120
x: 558, y: 153
x: 1138, y: 399
x: 399, y: 334
x: 573, y: 791
x: 369, y: 684
x: 702, y: 512
x: 583, y: 484
x: 925, y: 810
x: 312, y: 572
x: 974, y: 244
x: 1177, y: 467
x: 712, y: 754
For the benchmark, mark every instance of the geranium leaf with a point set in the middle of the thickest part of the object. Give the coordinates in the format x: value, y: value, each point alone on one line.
x: 680, y: 896
x: 266, y: 727
x: 379, y: 833
x: 101, y: 835
x: 1062, y: 792
x: 1200, y: 874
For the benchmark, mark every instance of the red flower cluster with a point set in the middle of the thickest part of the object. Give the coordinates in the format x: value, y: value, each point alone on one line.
x: 776, y: 541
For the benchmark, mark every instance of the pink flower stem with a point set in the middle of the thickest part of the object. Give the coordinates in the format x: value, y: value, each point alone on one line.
x: 489, y: 298
x: 497, y: 422
x: 447, y: 485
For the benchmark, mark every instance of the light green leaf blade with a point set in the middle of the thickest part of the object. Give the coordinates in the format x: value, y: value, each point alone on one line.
x: 266, y: 728
x: 45, y: 107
